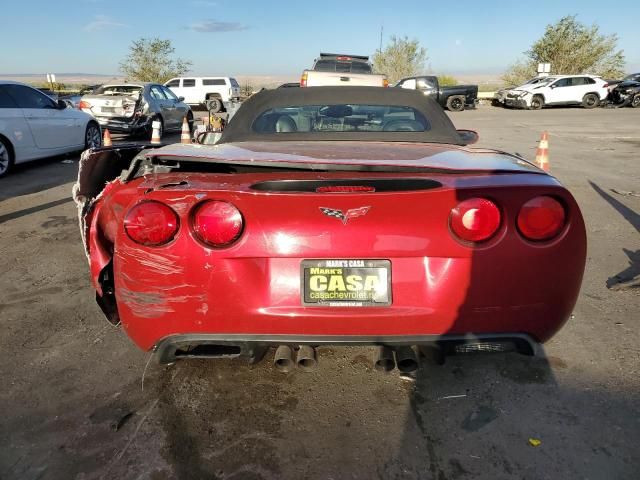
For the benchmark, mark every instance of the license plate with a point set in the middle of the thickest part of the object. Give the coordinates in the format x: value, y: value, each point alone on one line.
x: 108, y: 109
x: 346, y: 283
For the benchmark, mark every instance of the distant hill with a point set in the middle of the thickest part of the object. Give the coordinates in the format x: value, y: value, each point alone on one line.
x: 66, y: 78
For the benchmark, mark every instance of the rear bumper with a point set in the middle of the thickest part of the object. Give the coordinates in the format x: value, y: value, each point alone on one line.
x: 124, y: 124
x: 177, y: 347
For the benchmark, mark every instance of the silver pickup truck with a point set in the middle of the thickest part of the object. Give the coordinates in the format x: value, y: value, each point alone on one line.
x: 334, y: 69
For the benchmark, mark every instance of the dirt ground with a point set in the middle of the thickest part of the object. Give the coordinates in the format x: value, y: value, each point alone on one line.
x: 78, y: 403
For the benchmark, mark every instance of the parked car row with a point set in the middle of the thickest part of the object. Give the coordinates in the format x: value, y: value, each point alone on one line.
x: 335, y: 69
x: 589, y: 91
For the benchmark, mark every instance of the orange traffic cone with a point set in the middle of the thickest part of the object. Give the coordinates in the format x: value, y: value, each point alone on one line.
x: 542, y: 153
x: 185, y: 137
x: 106, y: 139
x: 155, y: 134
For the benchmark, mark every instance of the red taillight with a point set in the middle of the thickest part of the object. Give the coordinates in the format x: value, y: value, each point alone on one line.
x: 343, y: 58
x: 217, y: 223
x: 84, y: 104
x: 541, y: 218
x: 303, y: 79
x: 475, y: 219
x: 151, y: 223
x: 345, y: 189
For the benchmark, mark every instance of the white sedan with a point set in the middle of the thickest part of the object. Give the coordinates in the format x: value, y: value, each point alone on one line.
x: 32, y: 126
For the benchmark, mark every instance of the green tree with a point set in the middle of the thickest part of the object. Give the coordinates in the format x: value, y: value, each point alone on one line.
x: 447, y: 80
x: 400, y: 58
x: 571, y: 48
x: 150, y: 60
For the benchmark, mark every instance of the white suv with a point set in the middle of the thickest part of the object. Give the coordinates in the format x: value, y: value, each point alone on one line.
x: 585, y: 90
x: 213, y: 92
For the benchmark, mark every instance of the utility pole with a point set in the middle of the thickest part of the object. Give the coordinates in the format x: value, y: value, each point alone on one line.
x: 381, y: 30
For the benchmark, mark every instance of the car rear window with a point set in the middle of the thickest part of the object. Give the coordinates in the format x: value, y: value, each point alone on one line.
x: 342, y: 67
x: 334, y: 118
x: 118, y: 89
x: 214, y: 81
x: 234, y: 83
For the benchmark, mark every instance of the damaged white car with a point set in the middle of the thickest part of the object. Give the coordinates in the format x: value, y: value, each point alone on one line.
x: 585, y: 90
x: 131, y: 108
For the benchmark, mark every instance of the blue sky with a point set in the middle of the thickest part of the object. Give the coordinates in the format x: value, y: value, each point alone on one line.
x: 283, y: 37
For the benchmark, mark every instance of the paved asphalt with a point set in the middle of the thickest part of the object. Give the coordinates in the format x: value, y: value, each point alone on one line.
x: 73, y: 405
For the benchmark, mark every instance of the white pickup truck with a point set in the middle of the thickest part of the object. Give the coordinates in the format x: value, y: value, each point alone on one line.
x: 331, y: 69
x: 215, y: 93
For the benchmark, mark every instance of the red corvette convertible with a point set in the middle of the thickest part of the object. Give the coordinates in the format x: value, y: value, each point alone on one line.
x: 330, y: 215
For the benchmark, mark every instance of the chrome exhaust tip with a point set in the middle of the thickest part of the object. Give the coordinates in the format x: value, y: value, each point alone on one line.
x: 306, y: 358
x: 283, y: 359
x: 383, y: 359
x: 406, y: 359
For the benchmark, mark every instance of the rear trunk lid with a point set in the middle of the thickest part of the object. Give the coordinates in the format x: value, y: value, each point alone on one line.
x: 112, y: 103
x: 351, y: 156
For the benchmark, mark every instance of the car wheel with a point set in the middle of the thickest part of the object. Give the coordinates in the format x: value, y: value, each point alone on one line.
x: 6, y: 157
x: 635, y: 103
x: 214, y: 105
x: 92, y: 136
x: 455, y: 103
x: 537, y: 102
x: 190, y: 121
x: 590, y: 100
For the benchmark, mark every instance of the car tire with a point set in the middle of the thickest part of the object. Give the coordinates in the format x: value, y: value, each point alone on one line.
x: 214, y: 104
x: 590, y: 100
x: 455, y: 103
x: 6, y: 156
x: 92, y: 136
x: 635, y: 103
x: 190, y: 121
x: 537, y: 102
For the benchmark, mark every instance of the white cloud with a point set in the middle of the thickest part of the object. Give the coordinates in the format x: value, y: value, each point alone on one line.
x: 213, y: 26
x: 102, y: 22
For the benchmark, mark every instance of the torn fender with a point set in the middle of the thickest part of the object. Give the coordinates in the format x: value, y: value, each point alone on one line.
x: 98, y: 167
x: 98, y: 170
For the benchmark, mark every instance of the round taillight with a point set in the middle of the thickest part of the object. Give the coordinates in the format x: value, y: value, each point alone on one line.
x: 475, y: 219
x: 151, y: 223
x: 541, y: 218
x: 217, y: 223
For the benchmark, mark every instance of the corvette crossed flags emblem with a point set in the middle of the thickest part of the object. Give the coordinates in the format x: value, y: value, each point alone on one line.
x: 344, y: 217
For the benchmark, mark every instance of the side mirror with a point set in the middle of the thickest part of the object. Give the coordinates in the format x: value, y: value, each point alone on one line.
x: 181, y: 99
x: 553, y: 86
x: 61, y: 104
x: 469, y: 137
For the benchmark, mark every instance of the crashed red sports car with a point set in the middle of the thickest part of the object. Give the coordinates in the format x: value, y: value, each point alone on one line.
x: 330, y: 215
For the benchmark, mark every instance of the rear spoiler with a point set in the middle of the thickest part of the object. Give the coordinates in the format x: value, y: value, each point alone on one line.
x: 364, y: 58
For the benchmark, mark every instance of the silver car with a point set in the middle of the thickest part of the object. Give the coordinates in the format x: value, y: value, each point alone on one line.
x: 132, y: 107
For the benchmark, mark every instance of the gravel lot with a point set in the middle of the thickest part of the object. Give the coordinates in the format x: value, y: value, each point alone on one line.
x: 74, y: 405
